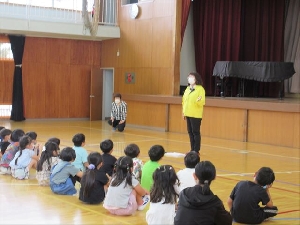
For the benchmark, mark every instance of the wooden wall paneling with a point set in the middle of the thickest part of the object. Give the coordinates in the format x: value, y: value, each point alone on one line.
x: 59, y: 91
x: 146, y: 114
x: 176, y: 122
x: 161, y: 81
x: 146, y: 10
x: 6, y: 77
x: 96, y: 51
x: 159, y: 8
x: 35, y: 90
x: 128, y: 41
x: 296, y: 132
x: 223, y: 123
x: 79, y: 94
x: 58, y: 51
x: 143, y: 44
x: 276, y: 128
x: 162, y: 42
x: 35, y: 50
x: 108, y: 53
x: 81, y: 53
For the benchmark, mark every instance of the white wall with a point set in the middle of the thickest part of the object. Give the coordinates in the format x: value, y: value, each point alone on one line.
x: 187, y: 54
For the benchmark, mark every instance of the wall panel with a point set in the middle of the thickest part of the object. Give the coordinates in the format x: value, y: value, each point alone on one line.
x: 58, y: 51
x: 80, y: 78
x: 146, y: 47
x: 35, y: 50
x: 276, y: 128
x: 6, y: 79
x: 146, y: 114
x: 35, y: 89
x: 56, y: 77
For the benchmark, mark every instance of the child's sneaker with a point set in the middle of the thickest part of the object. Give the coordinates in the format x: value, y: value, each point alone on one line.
x: 146, y: 200
x: 4, y: 170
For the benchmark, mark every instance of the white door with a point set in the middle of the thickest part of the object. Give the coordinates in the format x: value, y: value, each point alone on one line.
x: 108, y: 90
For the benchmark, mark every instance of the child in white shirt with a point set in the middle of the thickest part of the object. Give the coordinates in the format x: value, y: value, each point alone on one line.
x: 185, y: 176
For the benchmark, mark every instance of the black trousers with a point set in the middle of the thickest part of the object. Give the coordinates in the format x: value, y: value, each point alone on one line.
x: 116, y: 124
x: 193, y: 128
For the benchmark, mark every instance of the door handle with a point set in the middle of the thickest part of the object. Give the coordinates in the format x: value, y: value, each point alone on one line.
x: 92, y: 96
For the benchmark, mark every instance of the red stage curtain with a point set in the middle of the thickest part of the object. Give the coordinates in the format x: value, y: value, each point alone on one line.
x: 184, y: 16
x: 217, y: 25
x: 262, y: 38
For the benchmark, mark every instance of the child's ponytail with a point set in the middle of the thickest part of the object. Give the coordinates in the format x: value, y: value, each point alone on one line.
x: 89, y: 176
x: 24, y: 141
x: 46, y: 155
x: 123, y: 172
x: 88, y: 180
x: 205, y: 188
x: 205, y: 172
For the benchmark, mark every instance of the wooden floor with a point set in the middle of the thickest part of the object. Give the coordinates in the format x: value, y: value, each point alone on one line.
x: 24, y: 202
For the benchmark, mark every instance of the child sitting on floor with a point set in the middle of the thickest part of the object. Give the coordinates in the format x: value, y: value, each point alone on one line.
x: 107, y: 147
x: 24, y: 159
x: 133, y: 151
x: 245, y: 198
x: 62, y: 176
x: 48, y: 159
x: 10, y: 151
x: 163, y: 196
x: 94, y: 181
x: 186, y: 175
x: 198, y: 204
x: 155, y: 153
x: 125, y: 195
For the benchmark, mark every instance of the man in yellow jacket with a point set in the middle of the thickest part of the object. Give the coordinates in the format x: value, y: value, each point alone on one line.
x: 193, y: 101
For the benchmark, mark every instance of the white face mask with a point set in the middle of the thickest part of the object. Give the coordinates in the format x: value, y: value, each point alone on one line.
x: 191, y: 80
x: 117, y: 101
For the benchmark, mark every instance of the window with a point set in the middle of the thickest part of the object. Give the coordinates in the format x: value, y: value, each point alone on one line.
x: 5, y: 111
x: 126, y: 2
x: 5, y: 51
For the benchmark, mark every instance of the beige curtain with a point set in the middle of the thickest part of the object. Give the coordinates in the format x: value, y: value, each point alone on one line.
x: 292, y: 45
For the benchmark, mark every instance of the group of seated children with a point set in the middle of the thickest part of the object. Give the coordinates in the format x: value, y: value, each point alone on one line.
x: 126, y: 184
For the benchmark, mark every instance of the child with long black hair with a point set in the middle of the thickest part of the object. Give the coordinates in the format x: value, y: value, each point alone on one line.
x: 163, y: 196
x: 94, y: 181
x: 24, y: 159
x: 125, y: 194
x: 48, y: 159
x: 198, y: 204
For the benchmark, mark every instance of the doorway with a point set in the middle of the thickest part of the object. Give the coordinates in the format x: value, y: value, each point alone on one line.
x: 108, y: 90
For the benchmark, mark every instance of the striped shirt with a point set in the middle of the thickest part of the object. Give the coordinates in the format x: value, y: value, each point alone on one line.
x: 119, y: 112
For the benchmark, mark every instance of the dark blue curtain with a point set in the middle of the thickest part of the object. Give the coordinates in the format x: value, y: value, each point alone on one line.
x: 17, y: 47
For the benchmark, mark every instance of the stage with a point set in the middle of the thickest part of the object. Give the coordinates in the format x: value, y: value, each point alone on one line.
x: 258, y: 120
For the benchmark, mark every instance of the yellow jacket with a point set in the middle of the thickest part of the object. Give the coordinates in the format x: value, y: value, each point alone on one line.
x: 191, y: 107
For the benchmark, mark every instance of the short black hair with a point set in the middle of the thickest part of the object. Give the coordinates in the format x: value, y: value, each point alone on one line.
x: 4, y: 132
x: 132, y: 150
x: 191, y: 159
x: 67, y: 154
x: 78, y: 139
x: 117, y: 95
x: 265, y: 176
x: 32, y: 135
x: 106, y: 146
x: 156, y: 152
x: 16, y: 135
